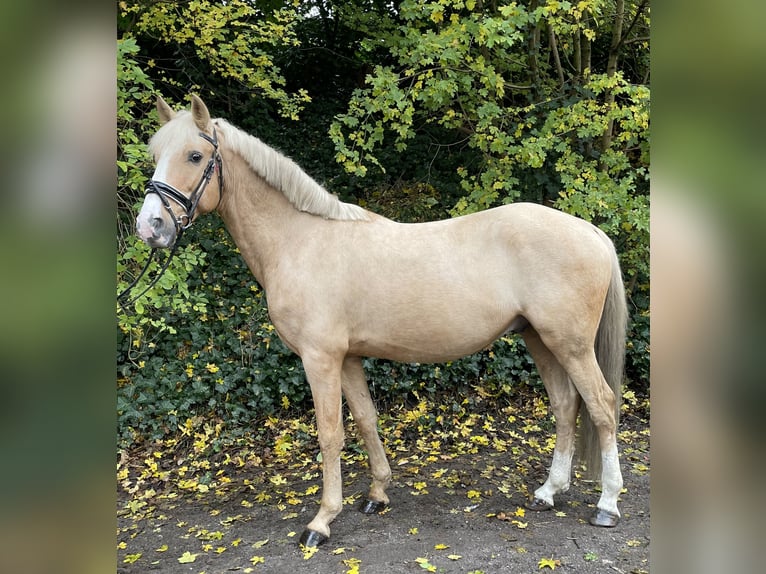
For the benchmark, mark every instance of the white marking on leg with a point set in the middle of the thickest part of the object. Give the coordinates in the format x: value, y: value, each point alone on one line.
x: 558, y: 477
x: 611, y: 481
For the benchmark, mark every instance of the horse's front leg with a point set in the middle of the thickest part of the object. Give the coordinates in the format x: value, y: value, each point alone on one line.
x: 362, y: 408
x: 324, y: 376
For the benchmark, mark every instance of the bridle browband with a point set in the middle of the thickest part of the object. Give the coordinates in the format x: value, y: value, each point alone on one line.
x: 167, y: 192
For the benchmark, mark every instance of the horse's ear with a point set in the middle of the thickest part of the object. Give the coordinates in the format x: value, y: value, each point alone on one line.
x: 164, y: 110
x: 200, y: 113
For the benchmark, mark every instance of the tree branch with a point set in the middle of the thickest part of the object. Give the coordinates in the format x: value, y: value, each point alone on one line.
x: 556, y: 58
x: 623, y: 40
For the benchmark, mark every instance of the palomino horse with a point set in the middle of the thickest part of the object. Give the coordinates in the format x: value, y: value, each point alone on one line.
x: 343, y: 283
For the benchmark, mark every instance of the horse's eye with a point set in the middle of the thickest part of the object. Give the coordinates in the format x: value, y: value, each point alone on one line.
x: 195, y: 157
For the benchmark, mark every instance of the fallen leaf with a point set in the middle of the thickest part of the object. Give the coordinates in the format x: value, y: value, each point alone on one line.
x: 308, y: 551
x: 548, y: 563
x: 440, y: 547
x: 454, y: 556
x: 425, y: 564
x: 520, y: 524
x: 130, y: 558
x: 353, y: 565
x: 187, y: 557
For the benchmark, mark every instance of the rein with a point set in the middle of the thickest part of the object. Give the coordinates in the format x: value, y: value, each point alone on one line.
x: 183, y: 222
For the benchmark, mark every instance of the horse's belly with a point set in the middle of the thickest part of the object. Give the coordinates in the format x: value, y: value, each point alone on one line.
x: 432, y: 337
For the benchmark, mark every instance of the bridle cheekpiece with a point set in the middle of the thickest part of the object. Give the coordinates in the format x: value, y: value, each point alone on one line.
x: 167, y: 192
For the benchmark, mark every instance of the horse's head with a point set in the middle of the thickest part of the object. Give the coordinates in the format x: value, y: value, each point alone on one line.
x: 185, y: 151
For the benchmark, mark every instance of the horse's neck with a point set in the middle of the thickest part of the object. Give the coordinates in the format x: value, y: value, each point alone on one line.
x: 259, y: 218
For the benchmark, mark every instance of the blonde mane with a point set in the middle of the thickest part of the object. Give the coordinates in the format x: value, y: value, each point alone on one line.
x: 285, y: 175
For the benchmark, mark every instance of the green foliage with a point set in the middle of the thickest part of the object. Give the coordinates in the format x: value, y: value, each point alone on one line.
x: 134, y: 96
x: 134, y: 126
x: 405, y: 203
x: 237, y: 40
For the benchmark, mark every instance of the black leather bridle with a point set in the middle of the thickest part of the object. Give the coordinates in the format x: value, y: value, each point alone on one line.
x: 189, y: 204
x: 166, y: 193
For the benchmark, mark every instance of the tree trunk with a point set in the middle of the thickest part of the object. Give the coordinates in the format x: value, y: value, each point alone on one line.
x: 534, y: 49
x: 611, y: 69
x: 556, y: 59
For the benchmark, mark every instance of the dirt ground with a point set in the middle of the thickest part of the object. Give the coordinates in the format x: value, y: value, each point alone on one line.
x: 464, y: 515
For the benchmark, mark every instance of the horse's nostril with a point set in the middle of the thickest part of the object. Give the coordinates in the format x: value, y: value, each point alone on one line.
x: 156, y: 223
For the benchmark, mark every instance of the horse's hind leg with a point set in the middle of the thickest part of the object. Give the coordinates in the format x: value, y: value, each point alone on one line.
x: 565, y: 402
x: 362, y: 408
x: 600, y: 400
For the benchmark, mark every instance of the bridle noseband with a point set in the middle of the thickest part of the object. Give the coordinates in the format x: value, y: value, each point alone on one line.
x: 189, y: 204
x: 167, y: 192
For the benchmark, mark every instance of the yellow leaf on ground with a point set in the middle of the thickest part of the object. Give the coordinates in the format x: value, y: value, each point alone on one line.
x: 187, y: 557
x: 308, y: 551
x: 130, y: 558
x: 520, y: 524
x: 548, y: 563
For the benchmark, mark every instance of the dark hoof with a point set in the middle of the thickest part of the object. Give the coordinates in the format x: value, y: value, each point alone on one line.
x: 372, y: 507
x: 604, y: 518
x: 312, y: 538
x: 538, y: 504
